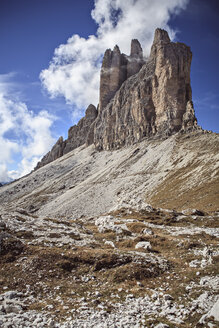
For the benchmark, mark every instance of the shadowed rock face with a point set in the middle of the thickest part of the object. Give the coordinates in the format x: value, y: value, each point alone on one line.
x: 116, y: 68
x: 113, y: 74
x: 156, y: 101
x: 53, y: 154
x: 138, y: 98
x: 135, y: 60
x: 77, y: 136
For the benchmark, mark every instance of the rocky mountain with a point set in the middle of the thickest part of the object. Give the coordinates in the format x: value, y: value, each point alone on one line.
x: 118, y: 225
x: 139, y: 98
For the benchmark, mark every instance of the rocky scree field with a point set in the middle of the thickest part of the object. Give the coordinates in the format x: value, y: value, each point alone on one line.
x: 178, y: 172
x: 127, y: 268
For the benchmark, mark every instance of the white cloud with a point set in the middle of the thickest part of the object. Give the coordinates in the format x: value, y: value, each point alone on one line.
x: 74, y: 69
x: 23, y: 134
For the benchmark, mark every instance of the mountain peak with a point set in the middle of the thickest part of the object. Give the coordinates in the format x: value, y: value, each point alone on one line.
x: 136, y: 49
x: 161, y: 36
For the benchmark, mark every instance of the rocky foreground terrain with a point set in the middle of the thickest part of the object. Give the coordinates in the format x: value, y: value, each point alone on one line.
x: 127, y: 268
x: 80, y: 247
x: 118, y: 225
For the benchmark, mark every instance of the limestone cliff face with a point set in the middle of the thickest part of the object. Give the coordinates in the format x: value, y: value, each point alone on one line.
x: 77, y: 136
x: 135, y: 60
x: 116, y: 68
x: 156, y: 101
x: 138, y: 98
x: 171, y: 90
x: 113, y: 74
x: 53, y: 154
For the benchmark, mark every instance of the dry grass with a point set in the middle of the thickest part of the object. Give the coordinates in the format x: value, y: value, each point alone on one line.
x: 136, y: 227
x: 172, y: 194
x: 179, y: 189
x: 57, y: 273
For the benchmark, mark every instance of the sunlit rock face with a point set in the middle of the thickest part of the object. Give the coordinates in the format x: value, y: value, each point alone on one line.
x: 155, y: 101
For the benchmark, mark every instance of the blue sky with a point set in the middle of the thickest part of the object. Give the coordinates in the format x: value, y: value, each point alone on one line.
x: 51, y: 52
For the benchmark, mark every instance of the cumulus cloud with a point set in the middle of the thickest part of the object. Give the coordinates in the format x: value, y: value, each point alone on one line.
x: 23, y: 134
x: 74, y: 69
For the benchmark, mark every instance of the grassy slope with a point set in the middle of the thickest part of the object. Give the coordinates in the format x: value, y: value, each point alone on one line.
x: 195, y: 184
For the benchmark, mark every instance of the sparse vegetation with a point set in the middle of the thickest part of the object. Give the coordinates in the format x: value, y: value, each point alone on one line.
x: 69, y: 273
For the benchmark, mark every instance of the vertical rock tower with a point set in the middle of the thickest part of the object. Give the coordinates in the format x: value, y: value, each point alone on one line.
x: 116, y: 68
x: 171, y: 89
x: 135, y: 60
x: 155, y: 101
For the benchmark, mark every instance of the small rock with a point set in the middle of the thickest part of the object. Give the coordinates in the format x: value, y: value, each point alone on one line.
x: 51, y: 323
x: 2, y: 225
x: 143, y: 244
x: 168, y: 297
x: 12, y: 308
x: 154, y: 296
x: 206, y: 252
x: 110, y: 243
x: 190, y: 211
x: 139, y: 284
x: 161, y: 325
x: 214, y: 312
x: 147, y: 231
x: 12, y: 294
x: 97, y: 294
x: 130, y: 296
x: 194, y: 264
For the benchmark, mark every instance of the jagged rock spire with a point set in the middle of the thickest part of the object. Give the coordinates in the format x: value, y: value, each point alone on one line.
x: 113, y: 74
x: 77, y: 136
x: 116, y: 68
x: 135, y: 60
x: 136, y: 49
x: 161, y: 36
